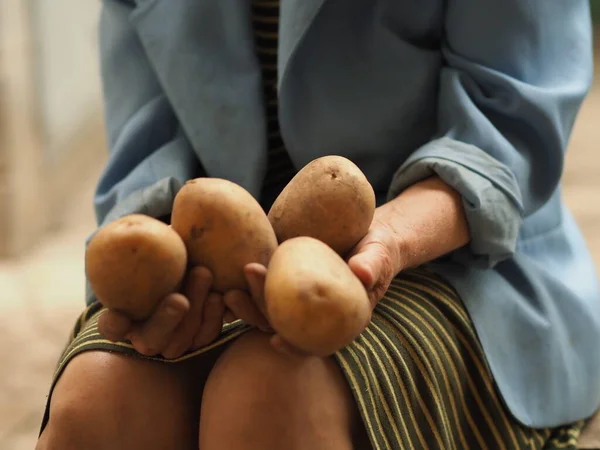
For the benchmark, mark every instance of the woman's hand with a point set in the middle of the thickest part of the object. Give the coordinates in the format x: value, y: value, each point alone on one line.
x: 179, y: 323
x: 377, y: 259
x: 249, y: 306
x: 424, y: 222
x: 252, y: 308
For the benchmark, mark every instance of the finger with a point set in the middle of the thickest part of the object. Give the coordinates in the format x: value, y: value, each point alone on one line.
x: 229, y: 316
x: 212, y: 320
x: 243, y: 307
x: 373, y: 266
x: 114, y: 325
x: 196, y: 290
x: 285, y: 347
x: 367, y: 265
x: 256, y: 275
x: 155, y: 334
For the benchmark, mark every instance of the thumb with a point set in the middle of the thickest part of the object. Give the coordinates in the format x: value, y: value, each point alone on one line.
x: 366, y: 265
x: 113, y: 325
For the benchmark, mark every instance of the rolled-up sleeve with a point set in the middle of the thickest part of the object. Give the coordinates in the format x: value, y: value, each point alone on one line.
x: 514, y: 76
x: 149, y: 155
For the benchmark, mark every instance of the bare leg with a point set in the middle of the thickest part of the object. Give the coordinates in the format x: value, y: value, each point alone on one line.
x: 112, y: 401
x: 256, y: 398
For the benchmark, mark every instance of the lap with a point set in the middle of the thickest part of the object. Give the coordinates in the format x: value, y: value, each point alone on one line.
x: 417, y: 376
x: 102, y: 396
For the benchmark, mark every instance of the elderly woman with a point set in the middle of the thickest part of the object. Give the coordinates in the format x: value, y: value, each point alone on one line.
x: 486, y: 317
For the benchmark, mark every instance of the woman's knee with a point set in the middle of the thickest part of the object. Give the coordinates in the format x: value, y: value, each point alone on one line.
x: 105, y: 400
x: 257, y: 390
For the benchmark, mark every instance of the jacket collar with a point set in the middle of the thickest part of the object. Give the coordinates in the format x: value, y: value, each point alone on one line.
x: 150, y: 18
x: 202, y: 52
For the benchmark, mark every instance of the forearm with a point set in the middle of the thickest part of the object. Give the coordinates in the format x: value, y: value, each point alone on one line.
x: 427, y: 221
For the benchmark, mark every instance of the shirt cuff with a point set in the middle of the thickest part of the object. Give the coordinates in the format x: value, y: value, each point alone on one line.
x: 155, y: 200
x: 490, y: 193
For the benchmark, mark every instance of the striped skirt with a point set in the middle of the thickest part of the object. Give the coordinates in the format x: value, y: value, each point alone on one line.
x: 418, y: 374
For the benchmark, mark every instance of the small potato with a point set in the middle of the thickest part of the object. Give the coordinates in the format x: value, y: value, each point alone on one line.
x: 133, y: 263
x: 224, y: 228
x: 314, y: 301
x: 330, y: 199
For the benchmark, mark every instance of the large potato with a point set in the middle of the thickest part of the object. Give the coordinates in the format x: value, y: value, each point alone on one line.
x: 134, y: 262
x: 330, y: 199
x: 314, y: 301
x: 224, y: 228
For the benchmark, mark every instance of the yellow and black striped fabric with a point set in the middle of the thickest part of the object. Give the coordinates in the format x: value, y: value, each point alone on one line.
x: 417, y: 373
x: 265, y: 21
x: 421, y: 380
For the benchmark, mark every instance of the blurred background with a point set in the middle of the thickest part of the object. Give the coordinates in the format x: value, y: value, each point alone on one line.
x: 52, y: 150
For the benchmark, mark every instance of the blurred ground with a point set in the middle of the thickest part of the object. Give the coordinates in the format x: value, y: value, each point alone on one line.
x: 42, y: 293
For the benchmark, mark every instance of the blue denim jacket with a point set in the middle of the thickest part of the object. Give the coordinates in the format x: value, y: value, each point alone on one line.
x: 482, y: 92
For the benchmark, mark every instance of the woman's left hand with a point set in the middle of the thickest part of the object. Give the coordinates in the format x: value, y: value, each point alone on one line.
x: 424, y: 222
x: 249, y: 306
x: 377, y: 259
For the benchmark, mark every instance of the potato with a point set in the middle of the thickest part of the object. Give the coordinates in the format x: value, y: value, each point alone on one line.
x: 330, y: 199
x: 313, y: 300
x: 134, y: 262
x: 224, y: 228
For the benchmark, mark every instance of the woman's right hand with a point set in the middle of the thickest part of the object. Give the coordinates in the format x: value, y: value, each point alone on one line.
x: 181, y: 322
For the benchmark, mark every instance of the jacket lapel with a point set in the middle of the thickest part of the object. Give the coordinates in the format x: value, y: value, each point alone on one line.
x: 204, y: 57
x: 203, y: 54
x: 296, y: 16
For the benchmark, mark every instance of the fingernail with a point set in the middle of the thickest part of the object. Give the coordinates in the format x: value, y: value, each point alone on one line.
x: 173, y: 310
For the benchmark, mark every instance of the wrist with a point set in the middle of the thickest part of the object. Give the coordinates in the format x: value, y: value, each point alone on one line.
x: 426, y: 221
